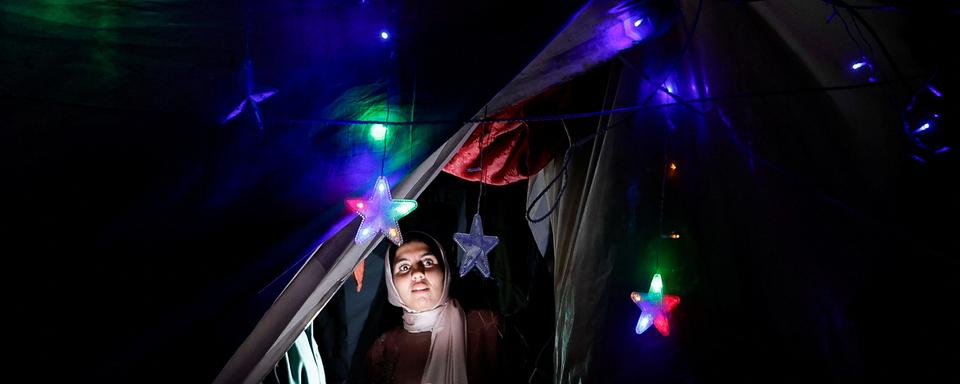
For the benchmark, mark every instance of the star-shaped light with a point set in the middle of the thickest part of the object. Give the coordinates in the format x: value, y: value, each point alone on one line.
x: 655, y: 307
x: 475, y: 247
x: 380, y: 213
x: 253, y: 99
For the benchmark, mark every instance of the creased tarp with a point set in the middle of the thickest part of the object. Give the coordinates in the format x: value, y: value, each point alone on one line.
x: 575, y: 302
x: 779, y: 255
x: 577, y: 48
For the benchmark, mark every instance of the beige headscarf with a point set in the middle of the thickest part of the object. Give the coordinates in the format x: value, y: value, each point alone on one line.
x: 447, y: 361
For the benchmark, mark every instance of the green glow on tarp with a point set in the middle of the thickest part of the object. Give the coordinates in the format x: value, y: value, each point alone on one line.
x: 403, y: 144
x: 397, y: 137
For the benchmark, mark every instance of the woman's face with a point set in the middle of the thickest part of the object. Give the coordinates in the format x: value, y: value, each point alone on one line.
x: 418, y: 275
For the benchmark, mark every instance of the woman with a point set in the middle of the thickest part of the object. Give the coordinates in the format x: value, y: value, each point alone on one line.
x: 438, y: 343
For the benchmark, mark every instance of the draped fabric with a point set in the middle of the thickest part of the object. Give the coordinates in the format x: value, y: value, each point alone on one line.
x: 332, y: 262
x: 114, y: 147
x: 774, y: 201
x: 512, y: 151
x: 507, y: 149
x: 578, y: 228
x: 785, y: 206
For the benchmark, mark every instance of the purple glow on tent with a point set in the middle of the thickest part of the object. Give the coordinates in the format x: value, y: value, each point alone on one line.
x: 670, y: 85
x: 628, y: 27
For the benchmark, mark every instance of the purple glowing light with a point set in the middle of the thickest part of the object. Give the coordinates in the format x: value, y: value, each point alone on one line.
x: 384, y: 35
x: 922, y: 128
x: 638, y: 28
x: 941, y: 150
x: 934, y: 91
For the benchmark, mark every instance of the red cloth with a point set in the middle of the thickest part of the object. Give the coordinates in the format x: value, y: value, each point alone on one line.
x: 512, y: 151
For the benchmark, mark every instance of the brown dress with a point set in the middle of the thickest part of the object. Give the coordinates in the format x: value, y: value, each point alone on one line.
x: 399, y: 356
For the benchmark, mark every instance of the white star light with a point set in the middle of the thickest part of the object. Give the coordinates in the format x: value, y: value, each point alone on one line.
x: 475, y: 246
x: 380, y: 213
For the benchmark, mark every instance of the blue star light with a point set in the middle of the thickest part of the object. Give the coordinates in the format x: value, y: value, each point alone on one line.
x: 655, y: 307
x: 475, y: 247
x: 380, y: 213
x: 253, y: 99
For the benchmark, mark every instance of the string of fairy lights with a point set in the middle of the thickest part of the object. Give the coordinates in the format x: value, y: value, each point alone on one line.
x: 921, y: 116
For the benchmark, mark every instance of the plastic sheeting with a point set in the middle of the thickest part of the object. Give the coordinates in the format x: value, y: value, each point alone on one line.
x: 785, y: 199
x: 302, y: 363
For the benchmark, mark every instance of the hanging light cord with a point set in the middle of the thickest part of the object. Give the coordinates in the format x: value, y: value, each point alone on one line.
x: 561, y: 176
x: 383, y: 157
x: 483, y: 131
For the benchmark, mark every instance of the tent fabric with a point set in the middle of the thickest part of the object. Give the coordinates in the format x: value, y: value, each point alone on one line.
x: 317, y: 281
x: 578, y: 224
x: 777, y: 210
x: 116, y: 150
x: 572, y: 51
x: 806, y: 226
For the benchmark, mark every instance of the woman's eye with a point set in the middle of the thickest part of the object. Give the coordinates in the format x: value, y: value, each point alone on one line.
x: 404, y: 268
x: 428, y: 263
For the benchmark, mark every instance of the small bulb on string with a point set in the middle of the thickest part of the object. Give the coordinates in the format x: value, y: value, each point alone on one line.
x: 638, y: 28
x: 378, y: 131
x: 671, y: 235
x: 864, y: 64
x: 384, y: 35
